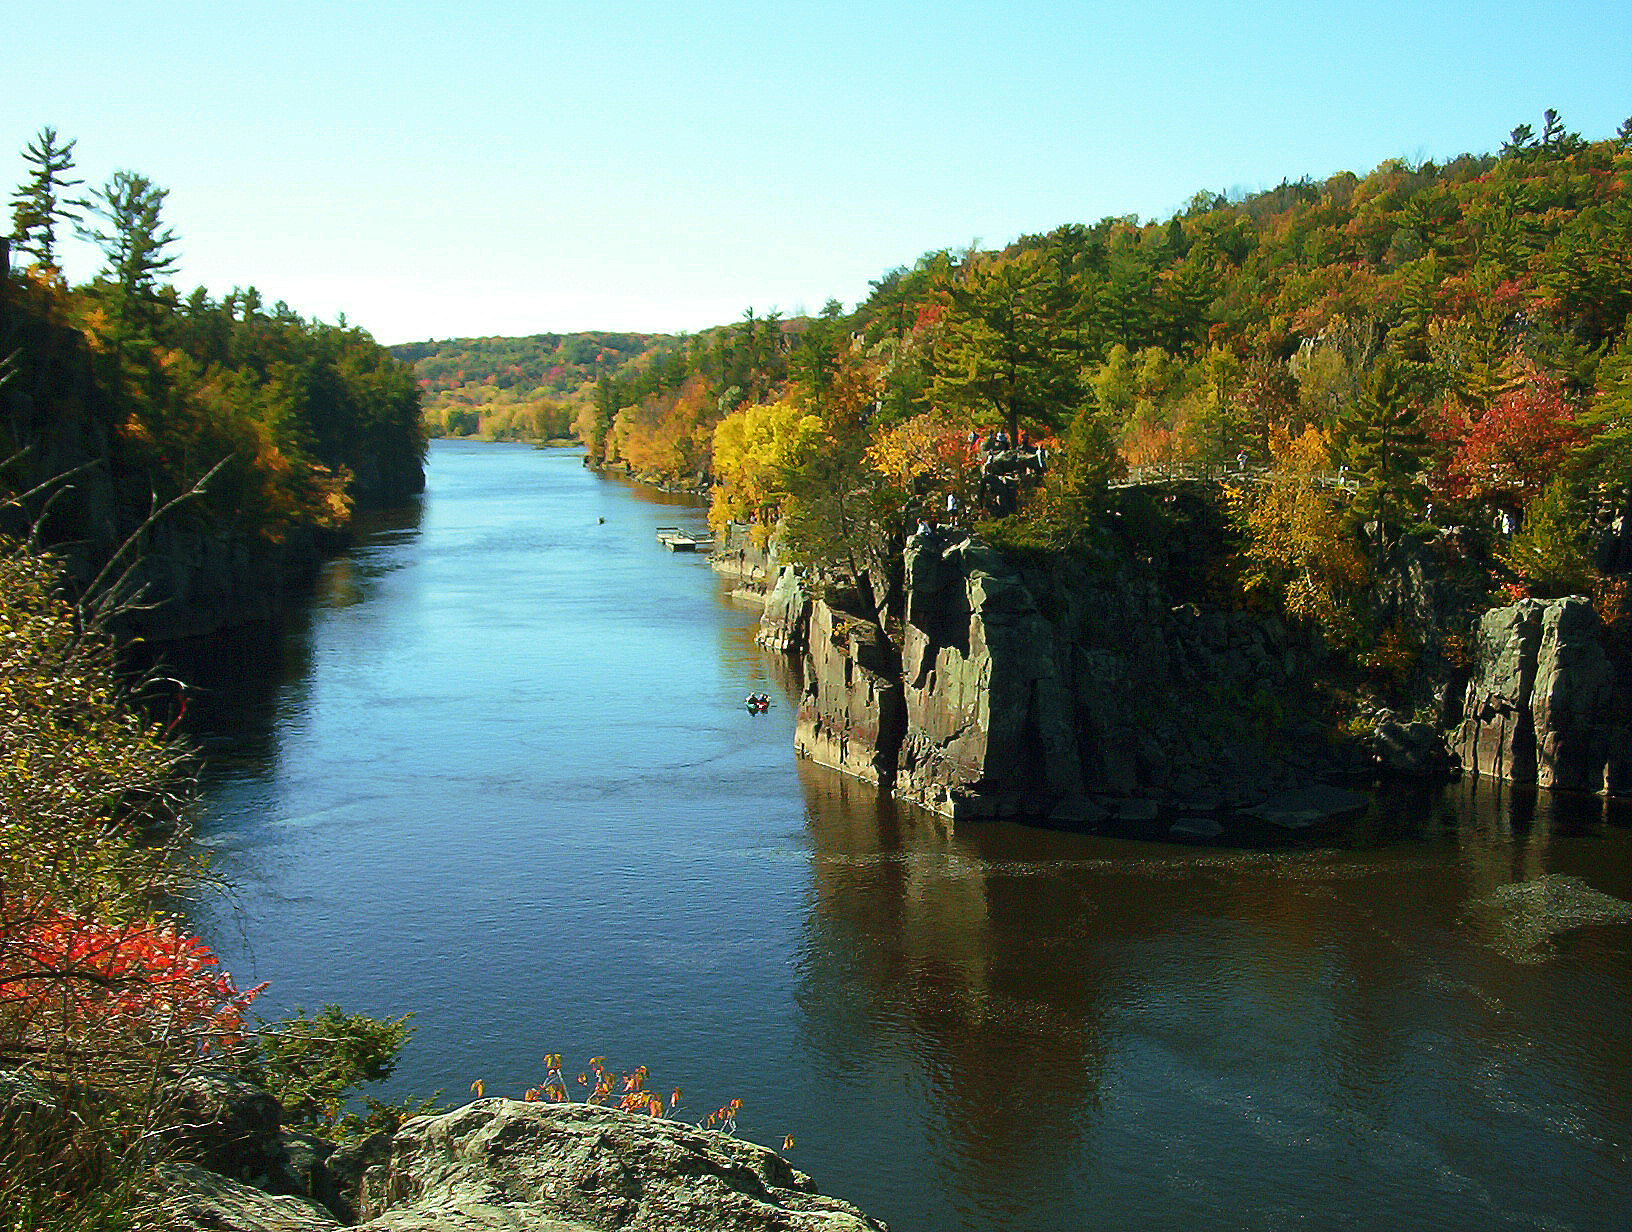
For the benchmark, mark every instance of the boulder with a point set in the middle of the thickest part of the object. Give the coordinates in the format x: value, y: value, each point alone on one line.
x: 1308, y: 806
x: 504, y: 1164
x: 1410, y: 750
x: 194, y: 1199
x: 228, y: 1125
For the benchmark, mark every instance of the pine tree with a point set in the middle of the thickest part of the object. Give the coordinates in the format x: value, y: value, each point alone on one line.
x: 38, y: 205
x: 1384, y: 446
x: 135, y: 244
x: 1009, y: 345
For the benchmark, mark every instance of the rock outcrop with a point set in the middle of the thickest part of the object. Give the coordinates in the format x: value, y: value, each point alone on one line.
x: 787, y: 614
x: 500, y: 1164
x: 988, y: 719
x: 738, y: 555
x: 1079, y: 696
x: 1541, y: 705
x: 1051, y: 693
x: 851, y: 716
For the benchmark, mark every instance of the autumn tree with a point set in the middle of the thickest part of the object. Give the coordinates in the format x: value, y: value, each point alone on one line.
x: 842, y: 516
x: 814, y: 359
x: 1295, y: 542
x: 756, y: 450
x: 1509, y: 455
x: 103, y: 991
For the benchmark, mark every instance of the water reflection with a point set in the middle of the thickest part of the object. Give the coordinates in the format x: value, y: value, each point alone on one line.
x: 1124, y: 1027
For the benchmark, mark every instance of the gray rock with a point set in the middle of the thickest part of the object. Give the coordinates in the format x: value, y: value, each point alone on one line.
x: 1303, y: 807
x: 1415, y: 750
x: 1209, y: 803
x: 784, y: 625
x: 987, y: 710
x: 194, y: 1199
x: 1196, y: 827
x: 1539, y: 706
x: 228, y: 1125
x: 504, y: 1164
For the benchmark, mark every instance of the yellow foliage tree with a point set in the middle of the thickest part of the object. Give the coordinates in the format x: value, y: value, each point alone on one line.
x: 756, y: 452
x: 1296, y: 544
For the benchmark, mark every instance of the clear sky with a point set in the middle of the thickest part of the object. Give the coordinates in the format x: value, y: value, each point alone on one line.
x: 442, y: 169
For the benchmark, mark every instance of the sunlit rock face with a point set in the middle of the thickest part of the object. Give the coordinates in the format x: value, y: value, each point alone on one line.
x: 998, y: 690
x: 850, y: 715
x: 1540, y: 706
x: 988, y: 719
x: 787, y: 614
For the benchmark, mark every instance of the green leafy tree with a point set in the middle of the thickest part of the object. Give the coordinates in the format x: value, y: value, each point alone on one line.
x: 38, y: 207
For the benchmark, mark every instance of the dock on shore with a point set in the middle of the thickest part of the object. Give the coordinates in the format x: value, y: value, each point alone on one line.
x: 677, y: 540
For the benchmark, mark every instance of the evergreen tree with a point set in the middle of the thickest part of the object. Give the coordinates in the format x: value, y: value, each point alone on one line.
x: 136, y: 245
x: 1384, y: 445
x: 1009, y: 345
x: 38, y: 205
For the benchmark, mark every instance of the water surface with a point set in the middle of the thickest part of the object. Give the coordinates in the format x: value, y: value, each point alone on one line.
x: 497, y: 772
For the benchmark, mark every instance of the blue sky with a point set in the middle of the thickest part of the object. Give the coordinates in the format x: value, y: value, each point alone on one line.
x: 434, y: 170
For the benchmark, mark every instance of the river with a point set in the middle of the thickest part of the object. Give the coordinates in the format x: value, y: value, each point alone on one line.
x: 496, y: 772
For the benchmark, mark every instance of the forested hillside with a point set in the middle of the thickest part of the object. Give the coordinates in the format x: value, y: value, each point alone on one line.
x: 519, y: 388
x: 1426, y: 356
x: 122, y: 396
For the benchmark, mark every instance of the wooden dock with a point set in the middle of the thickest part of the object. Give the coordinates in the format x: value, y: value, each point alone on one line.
x: 677, y: 540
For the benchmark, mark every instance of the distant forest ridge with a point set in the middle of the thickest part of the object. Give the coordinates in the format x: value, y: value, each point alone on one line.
x: 522, y: 388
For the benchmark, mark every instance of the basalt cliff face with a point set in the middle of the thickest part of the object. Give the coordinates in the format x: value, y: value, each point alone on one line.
x: 1543, y: 705
x: 1054, y: 692
x: 1048, y: 692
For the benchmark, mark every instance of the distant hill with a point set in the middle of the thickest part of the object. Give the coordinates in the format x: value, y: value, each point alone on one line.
x: 521, y: 388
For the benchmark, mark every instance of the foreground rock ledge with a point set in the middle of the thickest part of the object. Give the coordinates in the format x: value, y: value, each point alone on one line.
x: 504, y: 1164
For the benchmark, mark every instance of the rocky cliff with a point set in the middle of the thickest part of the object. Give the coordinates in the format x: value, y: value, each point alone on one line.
x: 1542, y: 706
x: 1052, y: 692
